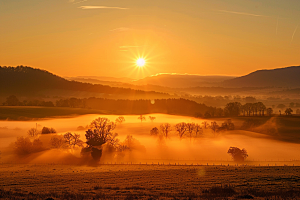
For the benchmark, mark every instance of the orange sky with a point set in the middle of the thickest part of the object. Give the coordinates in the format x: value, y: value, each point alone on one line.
x: 104, y: 38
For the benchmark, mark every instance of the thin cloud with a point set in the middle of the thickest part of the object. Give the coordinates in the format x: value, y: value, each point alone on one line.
x: 102, y: 7
x: 120, y: 29
x: 241, y: 13
x: 294, y: 32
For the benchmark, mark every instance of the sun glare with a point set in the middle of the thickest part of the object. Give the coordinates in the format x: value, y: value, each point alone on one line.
x: 141, y: 62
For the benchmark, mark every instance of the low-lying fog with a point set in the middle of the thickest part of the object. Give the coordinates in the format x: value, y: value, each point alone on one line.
x: 205, y: 148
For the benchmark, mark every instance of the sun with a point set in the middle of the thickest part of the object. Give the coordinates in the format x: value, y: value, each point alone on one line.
x: 140, y: 62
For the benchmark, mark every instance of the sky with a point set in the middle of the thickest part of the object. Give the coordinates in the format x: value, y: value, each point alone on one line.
x: 106, y: 37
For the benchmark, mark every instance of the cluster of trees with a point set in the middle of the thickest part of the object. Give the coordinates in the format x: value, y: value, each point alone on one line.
x: 12, y: 100
x: 100, y: 135
x: 218, y: 101
x: 248, y: 109
x: 68, y: 140
x: 33, y: 143
x: 190, y: 130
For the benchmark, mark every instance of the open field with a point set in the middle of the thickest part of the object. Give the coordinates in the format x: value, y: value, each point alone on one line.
x: 147, y: 182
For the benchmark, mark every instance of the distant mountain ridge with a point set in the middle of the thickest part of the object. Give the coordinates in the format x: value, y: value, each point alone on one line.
x: 279, y: 77
x: 182, y: 80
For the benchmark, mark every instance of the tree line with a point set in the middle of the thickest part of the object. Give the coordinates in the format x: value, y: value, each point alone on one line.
x: 145, y: 106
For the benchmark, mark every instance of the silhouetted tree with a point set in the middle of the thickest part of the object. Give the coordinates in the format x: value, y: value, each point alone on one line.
x: 33, y: 133
x: 152, y: 118
x: 99, y: 133
x: 165, y: 129
x: 190, y: 129
x: 288, y: 111
x: 120, y: 120
x: 181, y: 128
x: 248, y: 107
x: 142, y: 118
x: 261, y: 108
x: 198, y: 130
x: 233, y: 109
x: 77, y: 141
x: 73, y: 140
x: 47, y: 130
x: 237, y: 154
x: 205, y: 124
x: 214, y: 126
x: 154, y: 131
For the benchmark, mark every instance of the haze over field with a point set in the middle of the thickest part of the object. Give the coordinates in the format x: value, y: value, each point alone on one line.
x: 207, y: 148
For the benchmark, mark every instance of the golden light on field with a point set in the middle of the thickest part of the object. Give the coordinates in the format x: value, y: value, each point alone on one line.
x: 140, y: 62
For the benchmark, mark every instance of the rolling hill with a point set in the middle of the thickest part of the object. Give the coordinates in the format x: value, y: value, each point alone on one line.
x: 29, y: 81
x: 280, y: 77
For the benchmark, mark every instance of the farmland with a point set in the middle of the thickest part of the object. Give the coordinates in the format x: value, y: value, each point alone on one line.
x: 147, y: 181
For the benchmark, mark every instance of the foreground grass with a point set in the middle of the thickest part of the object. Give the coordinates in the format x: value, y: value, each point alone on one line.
x: 23, y: 113
x: 148, y: 182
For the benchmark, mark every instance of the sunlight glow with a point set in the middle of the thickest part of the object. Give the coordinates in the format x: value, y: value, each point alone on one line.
x: 141, y: 62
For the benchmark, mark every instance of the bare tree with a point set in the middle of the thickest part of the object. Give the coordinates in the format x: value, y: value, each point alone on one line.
x: 165, y: 129
x: 73, y: 139
x: 198, y: 130
x: 190, y: 128
x: 120, y: 120
x: 152, y: 118
x: 205, y: 124
x: 57, y: 142
x: 214, y: 126
x: 181, y: 128
x: 69, y: 138
x: 33, y: 133
x: 142, y: 118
